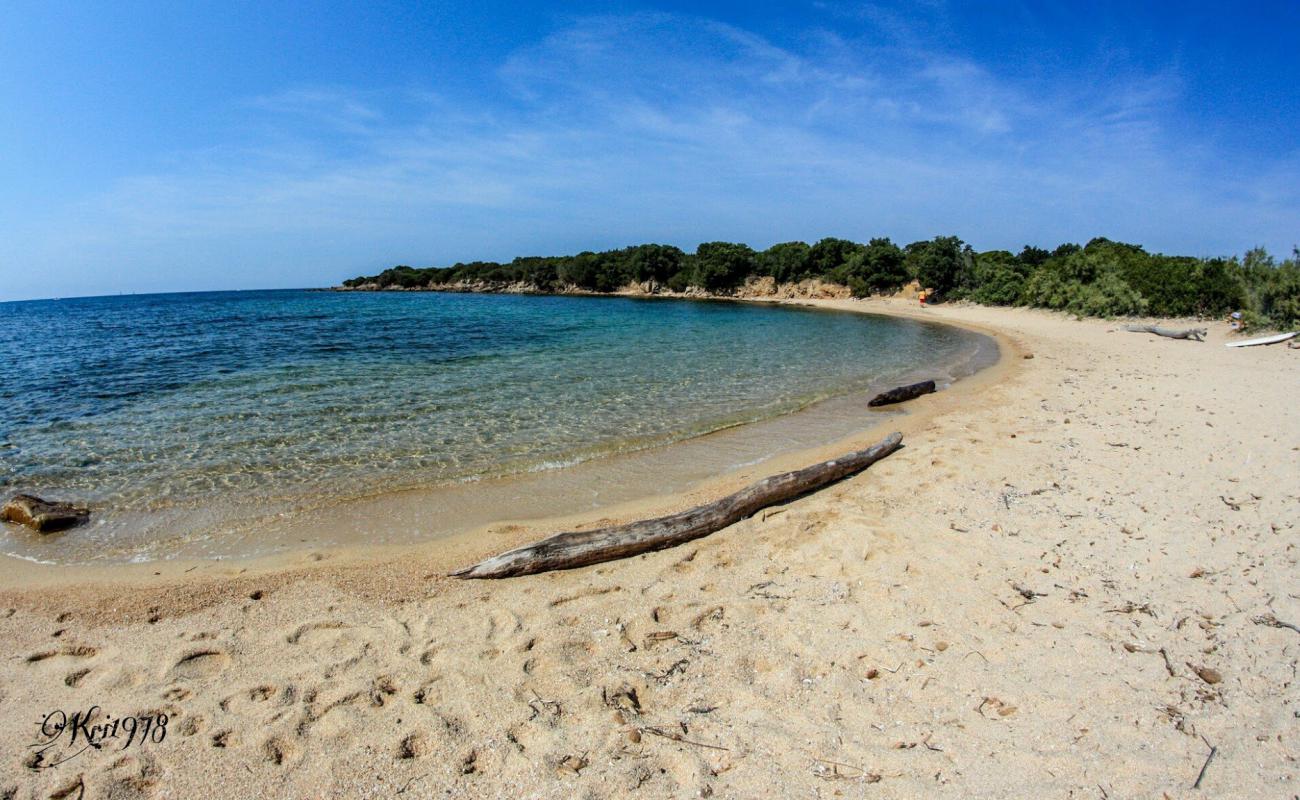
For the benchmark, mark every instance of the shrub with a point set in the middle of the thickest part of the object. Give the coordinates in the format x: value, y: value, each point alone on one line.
x: 653, y: 262
x: 1279, y: 297
x: 999, y: 278
x: 942, y: 264
x: 786, y: 262
x: 828, y: 257
x: 878, y: 267
x: 1083, y: 282
x: 722, y: 265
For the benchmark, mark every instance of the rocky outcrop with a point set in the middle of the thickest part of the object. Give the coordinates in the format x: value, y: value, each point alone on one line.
x: 43, y: 515
x: 811, y: 289
x: 754, y: 288
x: 461, y: 287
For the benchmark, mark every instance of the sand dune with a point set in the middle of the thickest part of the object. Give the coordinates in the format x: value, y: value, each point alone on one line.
x: 1070, y: 582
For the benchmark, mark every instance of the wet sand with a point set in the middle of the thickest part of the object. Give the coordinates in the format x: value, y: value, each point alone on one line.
x: 1069, y: 580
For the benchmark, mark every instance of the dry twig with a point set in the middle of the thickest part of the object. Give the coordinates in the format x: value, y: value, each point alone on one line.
x: 677, y: 737
x: 1201, y: 775
x: 1273, y: 622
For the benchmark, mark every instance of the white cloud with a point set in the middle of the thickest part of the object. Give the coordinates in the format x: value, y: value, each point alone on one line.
x: 617, y: 130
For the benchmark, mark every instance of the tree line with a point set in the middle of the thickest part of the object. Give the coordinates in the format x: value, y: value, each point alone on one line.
x: 1101, y: 278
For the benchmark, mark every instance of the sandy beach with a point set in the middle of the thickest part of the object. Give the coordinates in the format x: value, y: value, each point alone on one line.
x: 1075, y: 580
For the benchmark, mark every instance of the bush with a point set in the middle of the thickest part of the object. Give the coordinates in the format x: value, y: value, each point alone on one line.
x: 828, y: 257
x: 1182, y: 286
x: 1272, y: 291
x: 786, y: 262
x: 1084, y: 283
x: 878, y: 267
x: 942, y: 264
x: 722, y: 265
x: 1279, y: 297
x: 999, y: 278
x: 653, y: 262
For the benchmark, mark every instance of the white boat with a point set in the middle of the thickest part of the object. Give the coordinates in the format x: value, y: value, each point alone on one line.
x: 1280, y: 337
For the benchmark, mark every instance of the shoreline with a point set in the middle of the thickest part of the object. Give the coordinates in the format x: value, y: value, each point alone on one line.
x: 1072, y: 577
x: 446, y: 552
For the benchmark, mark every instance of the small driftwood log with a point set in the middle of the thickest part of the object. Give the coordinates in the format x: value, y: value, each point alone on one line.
x: 902, y: 393
x: 1194, y: 334
x: 580, y: 548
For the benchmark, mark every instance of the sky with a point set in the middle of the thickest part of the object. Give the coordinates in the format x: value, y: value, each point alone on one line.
x: 148, y: 147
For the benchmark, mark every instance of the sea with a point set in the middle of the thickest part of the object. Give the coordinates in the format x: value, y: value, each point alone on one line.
x: 201, y: 424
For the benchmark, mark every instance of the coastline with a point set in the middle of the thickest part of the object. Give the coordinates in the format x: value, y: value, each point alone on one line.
x: 446, y: 552
x: 1054, y: 586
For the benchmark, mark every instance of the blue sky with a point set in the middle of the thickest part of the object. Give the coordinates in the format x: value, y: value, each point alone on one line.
x: 179, y: 146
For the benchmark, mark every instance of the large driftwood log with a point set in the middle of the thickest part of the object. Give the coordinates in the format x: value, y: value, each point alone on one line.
x: 1194, y: 334
x: 580, y: 548
x: 901, y: 394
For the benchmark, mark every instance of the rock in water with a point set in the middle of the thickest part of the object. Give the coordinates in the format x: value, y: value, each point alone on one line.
x: 42, y: 515
x: 902, y: 393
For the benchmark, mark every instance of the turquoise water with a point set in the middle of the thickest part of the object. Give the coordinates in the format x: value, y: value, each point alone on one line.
x: 152, y: 404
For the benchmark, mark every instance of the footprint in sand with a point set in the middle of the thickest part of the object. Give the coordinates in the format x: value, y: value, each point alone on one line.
x: 382, y: 688
x: 68, y: 651
x: 200, y: 664
x: 334, y: 719
x: 428, y: 694
x: 278, y: 750
x: 309, y: 634
x: 177, y: 693
x: 326, y: 641
x: 246, y: 700
x: 415, y: 745
x: 129, y: 777
x: 72, y: 790
x: 192, y: 726
x: 502, y: 624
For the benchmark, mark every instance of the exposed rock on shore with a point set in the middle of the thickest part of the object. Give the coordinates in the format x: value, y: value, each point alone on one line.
x: 43, y: 515
x: 753, y: 288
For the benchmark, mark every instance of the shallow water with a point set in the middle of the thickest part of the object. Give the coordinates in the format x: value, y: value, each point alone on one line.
x: 181, y: 417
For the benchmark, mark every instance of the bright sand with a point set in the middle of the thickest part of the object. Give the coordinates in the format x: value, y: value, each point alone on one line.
x: 994, y: 611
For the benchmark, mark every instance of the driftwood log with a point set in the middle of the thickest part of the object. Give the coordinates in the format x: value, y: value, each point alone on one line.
x: 1194, y: 334
x: 580, y: 548
x: 901, y: 394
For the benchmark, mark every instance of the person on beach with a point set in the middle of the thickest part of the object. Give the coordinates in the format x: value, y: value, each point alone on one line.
x: 921, y: 296
x: 1236, y: 323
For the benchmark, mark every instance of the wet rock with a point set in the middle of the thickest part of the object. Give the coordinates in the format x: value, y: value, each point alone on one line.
x: 43, y: 515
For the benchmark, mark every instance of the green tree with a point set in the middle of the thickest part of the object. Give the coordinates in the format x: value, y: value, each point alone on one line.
x: 723, y: 265
x: 596, y: 272
x: 944, y: 263
x: 654, y: 262
x: 827, y: 257
x: 878, y: 267
x: 999, y: 278
x: 1033, y: 256
x: 1085, y: 282
x: 786, y: 262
